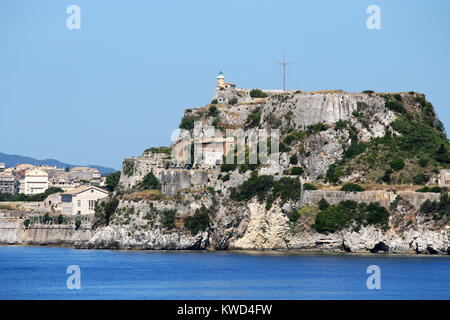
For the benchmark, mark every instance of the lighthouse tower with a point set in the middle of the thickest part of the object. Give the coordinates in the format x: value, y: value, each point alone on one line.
x: 220, y: 80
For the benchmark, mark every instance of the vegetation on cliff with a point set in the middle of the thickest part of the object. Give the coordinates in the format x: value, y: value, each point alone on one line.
x: 32, y: 197
x: 350, y: 213
x: 414, y: 147
x: 437, y: 209
x: 266, y: 188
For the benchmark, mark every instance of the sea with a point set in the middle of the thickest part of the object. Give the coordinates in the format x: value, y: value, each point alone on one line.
x: 40, y: 272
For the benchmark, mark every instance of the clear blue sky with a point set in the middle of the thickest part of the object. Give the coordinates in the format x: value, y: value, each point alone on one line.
x: 120, y: 83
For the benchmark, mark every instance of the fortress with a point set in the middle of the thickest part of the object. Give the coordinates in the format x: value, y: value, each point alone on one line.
x: 226, y: 91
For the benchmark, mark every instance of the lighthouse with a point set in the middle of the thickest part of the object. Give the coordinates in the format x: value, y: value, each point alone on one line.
x: 220, y: 80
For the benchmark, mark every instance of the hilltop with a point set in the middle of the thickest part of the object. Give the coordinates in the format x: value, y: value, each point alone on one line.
x: 355, y: 172
x: 13, y: 160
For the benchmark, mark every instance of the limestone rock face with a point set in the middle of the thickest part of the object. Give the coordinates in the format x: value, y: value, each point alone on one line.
x: 117, y: 237
x: 264, y: 229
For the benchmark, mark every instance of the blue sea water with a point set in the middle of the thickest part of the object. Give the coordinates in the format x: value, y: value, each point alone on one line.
x: 40, y: 273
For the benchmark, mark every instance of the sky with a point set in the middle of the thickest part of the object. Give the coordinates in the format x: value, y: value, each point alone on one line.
x: 121, y: 82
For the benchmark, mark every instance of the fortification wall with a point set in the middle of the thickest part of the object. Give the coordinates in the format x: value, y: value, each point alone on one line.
x: 13, y: 230
x: 312, y: 197
x: 174, y: 180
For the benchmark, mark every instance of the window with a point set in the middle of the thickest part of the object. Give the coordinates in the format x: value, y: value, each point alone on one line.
x: 78, y: 212
x: 91, y: 204
x: 79, y: 203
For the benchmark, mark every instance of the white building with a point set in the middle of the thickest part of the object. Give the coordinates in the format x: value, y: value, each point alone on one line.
x: 81, y: 201
x: 444, y: 177
x: 2, y: 166
x: 35, y: 181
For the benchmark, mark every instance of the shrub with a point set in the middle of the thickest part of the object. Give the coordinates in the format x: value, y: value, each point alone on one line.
x: 168, y: 218
x: 198, y: 222
x: 214, y: 101
x: 317, y: 127
x: 397, y: 164
x: 26, y: 223
x: 294, y: 215
x: 323, y: 204
x: 150, y: 182
x: 420, y: 178
x: 266, y: 188
x: 395, y: 106
x: 77, y: 224
x: 187, y: 122
x: 387, y: 176
x: 438, y: 209
x: 334, y: 173
x: 166, y: 150
x: 354, y: 150
x: 60, y: 219
x: 253, y: 118
x: 423, y: 162
x: 233, y: 101
x: 433, y: 189
x: 128, y: 167
x: 368, y: 91
x: 112, y: 180
x: 33, y: 197
x: 293, y: 159
x: 352, y: 187
x: 337, y: 217
x: 309, y: 186
x: 297, y: 171
x: 226, y: 177
x: 341, y: 124
x: 110, y: 208
x: 212, y: 111
x: 273, y: 122
x: 257, y: 93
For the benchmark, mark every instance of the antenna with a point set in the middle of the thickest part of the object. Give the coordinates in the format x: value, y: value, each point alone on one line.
x: 284, y: 63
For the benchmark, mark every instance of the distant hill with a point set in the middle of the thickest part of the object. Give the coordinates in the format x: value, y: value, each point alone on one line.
x: 13, y: 160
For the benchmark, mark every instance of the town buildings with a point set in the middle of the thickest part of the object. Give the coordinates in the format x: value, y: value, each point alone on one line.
x: 35, y: 181
x: 8, y: 183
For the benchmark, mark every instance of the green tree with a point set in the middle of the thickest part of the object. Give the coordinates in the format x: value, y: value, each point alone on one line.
x: 397, y: 164
x: 168, y: 218
x: 323, y: 204
x: 198, y: 222
x: 150, y: 182
x: 187, y: 123
x: 112, y: 180
x: 257, y: 93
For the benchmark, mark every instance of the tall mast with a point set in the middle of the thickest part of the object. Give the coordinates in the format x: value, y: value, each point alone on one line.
x: 284, y: 63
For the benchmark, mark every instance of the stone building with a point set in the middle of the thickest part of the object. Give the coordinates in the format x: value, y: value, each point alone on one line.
x: 8, y: 183
x: 213, y: 149
x: 81, y: 201
x: 35, y: 181
x: 226, y: 91
x: 444, y: 177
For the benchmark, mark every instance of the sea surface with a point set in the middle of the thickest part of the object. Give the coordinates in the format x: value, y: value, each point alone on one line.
x: 41, y: 273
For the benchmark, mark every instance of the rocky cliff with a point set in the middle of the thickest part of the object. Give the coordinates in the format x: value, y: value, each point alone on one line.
x: 389, y: 144
x: 292, y: 201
